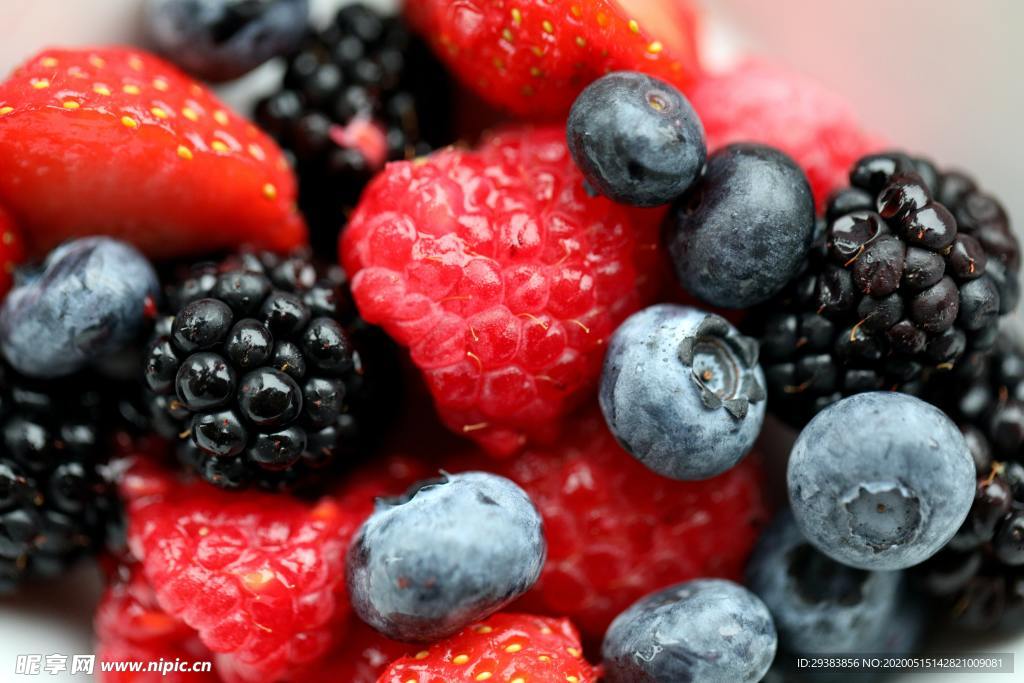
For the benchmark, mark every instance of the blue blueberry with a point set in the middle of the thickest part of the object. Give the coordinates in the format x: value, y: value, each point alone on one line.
x: 702, y: 630
x: 744, y: 229
x: 819, y: 605
x: 450, y: 552
x: 219, y: 40
x: 636, y: 139
x: 880, y: 480
x: 682, y: 391
x: 86, y: 302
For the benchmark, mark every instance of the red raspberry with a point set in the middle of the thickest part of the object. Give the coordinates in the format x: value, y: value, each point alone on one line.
x: 260, y: 577
x: 504, y: 647
x: 533, y: 57
x: 502, y: 277
x: 766, y: 104
x: 131, y: 627
x: 361, y: 657
x: 616, y: 531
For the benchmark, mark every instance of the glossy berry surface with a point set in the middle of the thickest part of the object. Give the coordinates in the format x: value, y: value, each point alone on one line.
x: 502, y: 277
x: 706, y: 629
x: 617, y: 531
x: 91, y: 298
x: 357, y: 93
x: 681, y: 390
x: 57, y: 499
x: 907, y: 276
x: 880, y: 480
x: 219, y: 40
x: 978, y: 576
x: 257, y: 372
x: 636, y: 139
x: 409, y: 574
x: 743, y: 230
x: 819, y: 605
x: 502, y: 647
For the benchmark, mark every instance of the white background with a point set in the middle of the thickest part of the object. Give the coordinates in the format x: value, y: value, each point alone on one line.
x: 936, y: 76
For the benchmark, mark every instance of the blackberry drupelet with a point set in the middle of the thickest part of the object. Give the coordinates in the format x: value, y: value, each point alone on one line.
x: 357, y: 94
x: 57, y: 501
x: 911, y: 269
x: 256, y: 370
x: 980, y: 573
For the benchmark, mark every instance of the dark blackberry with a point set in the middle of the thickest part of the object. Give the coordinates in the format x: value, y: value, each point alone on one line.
x: 980, y: 573
x: 911, y: 270
x: 57, y: 501
x: 359, y: 93
x: 256, y: 370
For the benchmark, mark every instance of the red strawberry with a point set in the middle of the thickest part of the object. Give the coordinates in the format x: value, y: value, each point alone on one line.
x: 512, y: 648
x: 616, y: 531
x: 12, y: 250
x: 131, y: 627
x: 119, y: 142
x: 502, y: 277
x: 766, y: 104
x: 260, y: 577
x: 534, y: 56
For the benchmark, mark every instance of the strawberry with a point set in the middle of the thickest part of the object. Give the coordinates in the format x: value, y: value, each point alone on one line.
x: 533, y: 57
x: 116, y: 141
x: 502, y: 277
x: 513, y: 648
x: 616, y: 531
x: 12, y: 251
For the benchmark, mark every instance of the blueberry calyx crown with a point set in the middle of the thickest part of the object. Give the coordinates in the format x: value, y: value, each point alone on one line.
x: 722, y: 364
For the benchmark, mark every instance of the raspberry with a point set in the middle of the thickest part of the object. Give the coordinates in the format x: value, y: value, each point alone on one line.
x: 534, y: 57
x: 259, y: 576
x: 131, y: 627
x: 616, y: 531
x: 503, y: 647
x: 502, y: 277
x: 760, y: 103
x: 360, y: 658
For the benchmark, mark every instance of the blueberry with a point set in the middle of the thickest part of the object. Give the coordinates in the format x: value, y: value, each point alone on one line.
x: 702, y: 630
x: 880, y: 480
x: 744, y: 230
x: 818, y: 605
x: 682, y: 391
x: 88, y: 301
x: 450, y: 552
x: 219, y: 40
x: 636, y: 139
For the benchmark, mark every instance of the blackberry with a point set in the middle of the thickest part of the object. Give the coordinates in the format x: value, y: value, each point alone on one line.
x: 359, y: 93
x: 910, y: 270
x: 256, y: 371
x: 57, y: 500
x: 980, y: 573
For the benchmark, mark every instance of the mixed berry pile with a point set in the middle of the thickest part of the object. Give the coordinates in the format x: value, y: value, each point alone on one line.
x: 331, y: 401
